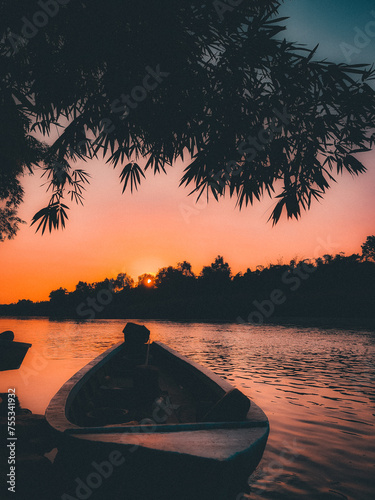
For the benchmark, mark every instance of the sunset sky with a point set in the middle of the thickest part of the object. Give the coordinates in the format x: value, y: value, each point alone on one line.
x: 160, y: 225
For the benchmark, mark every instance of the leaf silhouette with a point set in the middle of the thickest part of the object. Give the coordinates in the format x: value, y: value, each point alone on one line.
x: 53, y: 215
x: 131, y: 172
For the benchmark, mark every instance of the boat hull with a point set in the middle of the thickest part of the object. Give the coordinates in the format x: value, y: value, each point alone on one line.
x: 201, y: 459
x: 116, y: 471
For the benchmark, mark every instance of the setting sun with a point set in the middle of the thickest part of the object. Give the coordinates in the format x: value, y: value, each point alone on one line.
x: 149, y: 281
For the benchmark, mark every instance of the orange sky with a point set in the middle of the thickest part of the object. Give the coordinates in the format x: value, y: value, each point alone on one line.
x: 159, y: 225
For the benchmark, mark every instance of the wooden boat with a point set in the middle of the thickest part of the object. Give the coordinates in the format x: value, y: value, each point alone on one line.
x: 11, y: 353
x: 164, y: 414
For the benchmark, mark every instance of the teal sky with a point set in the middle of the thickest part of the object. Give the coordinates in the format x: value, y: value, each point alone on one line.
x: 331, y: 23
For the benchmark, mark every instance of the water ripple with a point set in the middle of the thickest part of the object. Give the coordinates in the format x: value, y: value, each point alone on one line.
x: 316, y: 386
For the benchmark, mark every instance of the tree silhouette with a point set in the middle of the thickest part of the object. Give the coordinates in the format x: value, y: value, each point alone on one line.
x: 368, y: 248
x: 82, y: 291
x: 175, y: 281
x: 57, y: 296
x: 19, y: 153
x: 217, y: 275
x: 165, y: 80
x: 59, y: 300
x: 122, y: 282
x: 336, y: 286
x: 185, y: 268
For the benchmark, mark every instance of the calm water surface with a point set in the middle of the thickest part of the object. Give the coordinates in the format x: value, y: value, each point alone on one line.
x: 316, y: 386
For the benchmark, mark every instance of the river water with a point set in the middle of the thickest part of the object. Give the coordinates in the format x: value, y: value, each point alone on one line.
x: 316, y: 385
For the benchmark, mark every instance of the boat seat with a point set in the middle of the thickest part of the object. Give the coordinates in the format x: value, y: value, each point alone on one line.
x: 115, y: 397
x: 103, y: 416
x: 233, y: 406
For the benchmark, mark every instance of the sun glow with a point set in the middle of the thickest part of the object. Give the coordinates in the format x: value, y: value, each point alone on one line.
x: 149, y: 281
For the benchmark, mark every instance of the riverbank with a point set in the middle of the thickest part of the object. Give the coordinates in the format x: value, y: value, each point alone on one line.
x: 28, y: 445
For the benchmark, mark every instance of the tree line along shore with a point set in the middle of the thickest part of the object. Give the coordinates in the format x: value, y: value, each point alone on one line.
x: 332, y: 286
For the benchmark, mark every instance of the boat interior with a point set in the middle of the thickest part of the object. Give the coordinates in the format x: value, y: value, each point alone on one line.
x: 144, y: 383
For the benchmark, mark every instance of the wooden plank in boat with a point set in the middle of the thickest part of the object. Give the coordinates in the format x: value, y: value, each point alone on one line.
x: 218, y: 444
